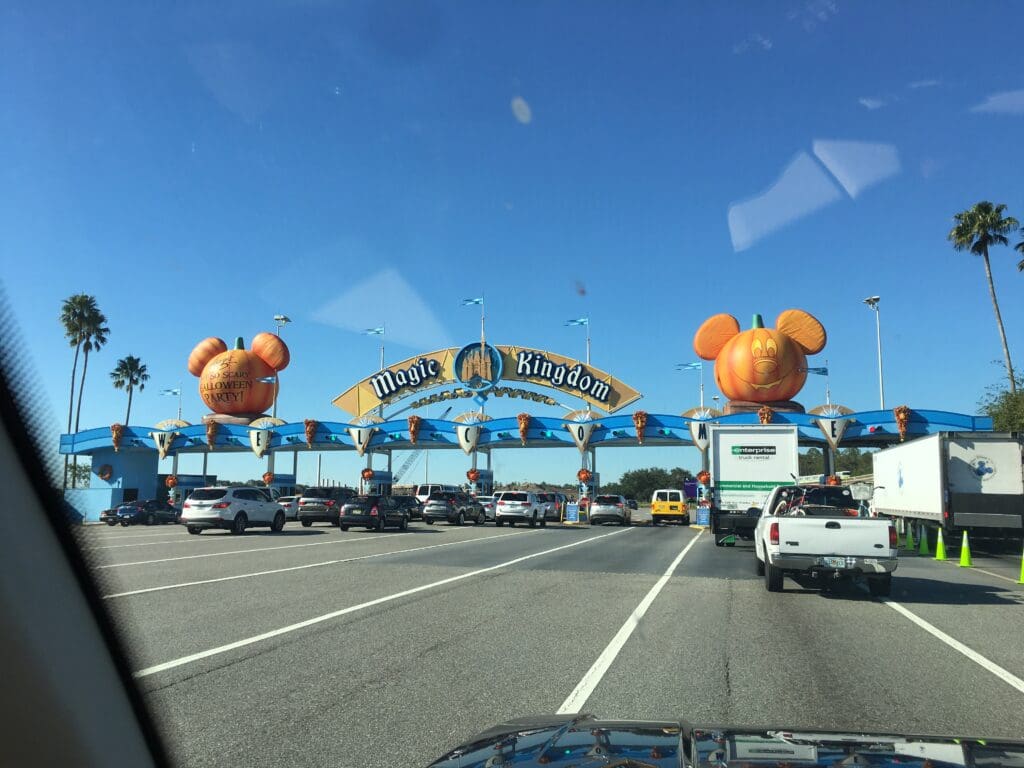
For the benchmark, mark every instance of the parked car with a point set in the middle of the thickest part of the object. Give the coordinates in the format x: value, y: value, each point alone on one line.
x: 454, y: 506
x: 519, y: 507
x: 109, y: 516
x: 374, y: 513
x: 610, y: 509
x: 631, y: 503
x: 487, y: 502
x: 322, y: 505
x: 148, y: 512
x: 290, y: 505
x: 412, y: 504
x: 234, y: 509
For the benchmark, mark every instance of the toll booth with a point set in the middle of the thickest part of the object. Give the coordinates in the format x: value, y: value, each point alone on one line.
x: 484, y: 486
x: 186, y: 484
x: 283, y: 485
x: 378, y: 484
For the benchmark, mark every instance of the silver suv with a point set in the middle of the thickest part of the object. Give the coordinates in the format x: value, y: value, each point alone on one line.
x: 518, y: 506
x: 610, y: 509
x: 232, y: 508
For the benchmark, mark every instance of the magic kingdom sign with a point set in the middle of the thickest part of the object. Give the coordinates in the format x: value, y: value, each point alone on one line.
x: 478, y: 368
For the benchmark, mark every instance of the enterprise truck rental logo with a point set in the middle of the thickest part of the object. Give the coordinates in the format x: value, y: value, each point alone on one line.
x: 748, y: 452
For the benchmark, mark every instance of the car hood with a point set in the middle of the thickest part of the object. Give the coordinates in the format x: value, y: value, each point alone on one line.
x: 584, y: 741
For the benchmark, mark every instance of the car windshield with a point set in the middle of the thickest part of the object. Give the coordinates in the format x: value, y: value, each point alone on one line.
x: 208, y: 494
x: 661, y: 258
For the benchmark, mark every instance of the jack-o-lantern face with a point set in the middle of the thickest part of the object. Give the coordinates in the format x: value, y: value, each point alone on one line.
x: 760, y: 364
x: 237, y: 381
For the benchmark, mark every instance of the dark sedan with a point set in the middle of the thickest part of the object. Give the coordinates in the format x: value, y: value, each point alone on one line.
x: 374, y: 513
x: 109, y: 516
x: 410, y: 503
x: 146, y: 513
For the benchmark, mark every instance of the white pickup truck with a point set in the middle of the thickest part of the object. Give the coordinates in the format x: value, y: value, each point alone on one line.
x: 822, y: 531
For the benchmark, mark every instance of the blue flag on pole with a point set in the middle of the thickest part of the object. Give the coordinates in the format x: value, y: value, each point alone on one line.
x: 374, y: 332
x: 470, y: 302
x: 578, y: 321
x: 689, y: 366
x: 820, y: 371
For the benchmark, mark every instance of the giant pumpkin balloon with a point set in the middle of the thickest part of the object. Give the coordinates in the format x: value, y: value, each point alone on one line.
x: 238, y: 382
x: 760, y: 364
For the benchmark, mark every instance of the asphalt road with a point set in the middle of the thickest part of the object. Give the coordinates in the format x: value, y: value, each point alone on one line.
x: 316, y: 647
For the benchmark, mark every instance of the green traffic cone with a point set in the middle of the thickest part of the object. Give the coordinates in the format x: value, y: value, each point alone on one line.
x: 940, y: 547
x: 923, y: 548
x: 965, y: 553
x: 1021, y: 579
x: 910, y: 537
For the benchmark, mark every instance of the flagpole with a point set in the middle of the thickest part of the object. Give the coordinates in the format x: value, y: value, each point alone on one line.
x: 179, y: 401
x: 702, y: 386
x: 384, y: 326
x: 828, y: 394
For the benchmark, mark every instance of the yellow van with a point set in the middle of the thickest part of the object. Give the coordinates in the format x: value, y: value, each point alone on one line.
x: 669, y: 504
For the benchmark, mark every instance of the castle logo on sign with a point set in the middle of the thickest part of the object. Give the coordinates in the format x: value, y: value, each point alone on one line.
x: 388, y: 383
x: 478, y: 367
x: 536, y: 365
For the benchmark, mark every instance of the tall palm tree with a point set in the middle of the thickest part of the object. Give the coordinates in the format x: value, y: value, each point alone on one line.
x: 94, y: 336
x: 1019, y: 247
x: 129, y: 373
x: 73, y: 313
x: 976, y: 229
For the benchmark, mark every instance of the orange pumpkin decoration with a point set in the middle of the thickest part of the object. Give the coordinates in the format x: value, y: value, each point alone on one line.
x: 271, y: 350
x: 204, y: 352
x: 366, y: 474
x: 231, y: 382
x: 760, y: 364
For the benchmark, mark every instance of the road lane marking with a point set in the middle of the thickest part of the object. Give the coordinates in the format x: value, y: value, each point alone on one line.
x: 307, y: 565
x: 982, y: 570
x: 590, y: 681
x: 361, y: 606
x: 956, y: 645
x: 333, y: 540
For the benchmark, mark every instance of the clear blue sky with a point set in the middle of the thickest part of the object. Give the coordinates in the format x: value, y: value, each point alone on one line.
x: 201, y: 167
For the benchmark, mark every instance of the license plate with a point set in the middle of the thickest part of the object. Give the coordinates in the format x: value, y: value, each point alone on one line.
x: 834, y: 562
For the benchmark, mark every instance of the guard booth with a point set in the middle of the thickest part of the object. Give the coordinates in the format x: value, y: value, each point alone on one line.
x: 375, y: 482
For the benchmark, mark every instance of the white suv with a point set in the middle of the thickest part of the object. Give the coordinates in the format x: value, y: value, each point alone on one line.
x: 518, y: 506
x: 232, y: 508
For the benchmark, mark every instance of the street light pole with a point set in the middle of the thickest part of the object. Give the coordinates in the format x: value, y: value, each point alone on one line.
x: 280, y: 321
x: 872, y: 302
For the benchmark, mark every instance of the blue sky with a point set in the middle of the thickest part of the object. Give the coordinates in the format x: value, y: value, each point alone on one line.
x: 200, y: 170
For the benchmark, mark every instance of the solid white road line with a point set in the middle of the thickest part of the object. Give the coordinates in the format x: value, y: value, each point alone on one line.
x: 361, y: 606
x: 586, y: 686
x: 334, y: 540
x: 956, y: 645
x: 303, y: 567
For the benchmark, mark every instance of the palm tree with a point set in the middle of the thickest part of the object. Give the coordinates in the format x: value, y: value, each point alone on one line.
x: 976, y: 229
x: 94, y: 335
x: 1019, y: 247
x: 73, y: 316
x: 129, y: 373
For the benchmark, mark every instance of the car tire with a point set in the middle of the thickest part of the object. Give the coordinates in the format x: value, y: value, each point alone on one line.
x: 238, y: 524
x: 543, y: 523
x: 533, y: 520
x: 686, y: 520
x: 880, y: 586
x: 428, y: 520
x: 278, y: 525
x: 461, y: 519
x: 111, y: 523
x: 150, y: 519
x: 772, y: 577
x: 306, y: 523
x: 759, y: 566
x: 480, y: 519
x: 654, y: 521
x: 194, y: 530
x: 380, y: 524
x: 343, y: 527
x: 404, y: 525
x: 125, y: 523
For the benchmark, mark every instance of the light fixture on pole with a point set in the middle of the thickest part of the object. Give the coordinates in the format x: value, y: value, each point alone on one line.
x: 872, y: 302
x: 280, y: 321
x: 695, y: 367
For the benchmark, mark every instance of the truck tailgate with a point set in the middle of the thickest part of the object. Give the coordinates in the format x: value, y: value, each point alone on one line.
x: 854, y: 536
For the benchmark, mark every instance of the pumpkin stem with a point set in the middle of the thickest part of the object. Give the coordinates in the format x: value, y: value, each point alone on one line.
x: 757, y: 322
x: 239, y: 344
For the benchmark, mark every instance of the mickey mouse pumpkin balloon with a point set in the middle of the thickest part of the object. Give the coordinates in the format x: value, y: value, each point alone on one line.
x: 760, y: 365
x: 238, y: 382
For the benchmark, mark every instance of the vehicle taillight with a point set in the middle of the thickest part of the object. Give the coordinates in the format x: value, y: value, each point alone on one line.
x: 222, y: 505
x: 373, y: 511
x: 330, y: 502
x: 619, y: 506
x: 893, y: 539
x: 773, y: 533
x: 945, y: 514
x: 185, y: 505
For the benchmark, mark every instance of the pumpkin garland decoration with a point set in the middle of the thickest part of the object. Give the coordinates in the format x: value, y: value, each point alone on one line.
x: 116, y: 434
x: 765, y: 414
x: 902, y: 414
x: 524, y: 424
x: 414, y: 428
x: 171, y: 481
x: 238, y: 381
x: 310, y: 429
x: 268, y: 478
x: 640, y: 423
x: 473, y: 475
x: 584, y: 476
x: 760, y: 365
x: 105, y: 472
x: 366, y: 474
x: 704, y: 477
